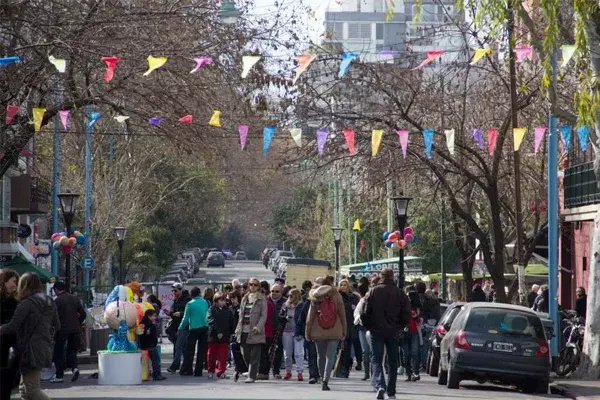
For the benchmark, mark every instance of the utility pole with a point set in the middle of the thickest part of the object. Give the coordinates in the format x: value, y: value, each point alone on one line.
x: 390, y: 209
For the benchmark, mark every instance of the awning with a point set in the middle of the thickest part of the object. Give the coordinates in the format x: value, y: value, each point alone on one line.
x: 21, y: 265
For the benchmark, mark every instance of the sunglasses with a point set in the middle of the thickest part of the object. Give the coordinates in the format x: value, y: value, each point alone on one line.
x: 274, y: 291
x: 253, y: 284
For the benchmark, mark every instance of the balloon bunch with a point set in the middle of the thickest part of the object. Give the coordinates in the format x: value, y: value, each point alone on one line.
x: 60, y: 240
x: 396, y: 241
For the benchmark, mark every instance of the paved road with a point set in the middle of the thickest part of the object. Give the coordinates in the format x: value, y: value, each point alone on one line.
x: 235, y: 270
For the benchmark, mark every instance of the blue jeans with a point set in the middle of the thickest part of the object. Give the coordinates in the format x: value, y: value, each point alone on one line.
x: 364, y: 344
x: 412, y: 353
x: 391, y: 346
x: 155, y: 358
x: 180, y: 348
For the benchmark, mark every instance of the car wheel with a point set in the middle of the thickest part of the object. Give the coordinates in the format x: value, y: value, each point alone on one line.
x: 434, y: 367
x: 453, y: 379
x: 442, y: 375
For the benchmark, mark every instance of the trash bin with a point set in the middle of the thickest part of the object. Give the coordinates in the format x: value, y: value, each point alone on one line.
x: 98, y: 340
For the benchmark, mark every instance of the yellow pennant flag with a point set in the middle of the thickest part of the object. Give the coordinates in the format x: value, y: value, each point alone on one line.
x: 59, y: 63
x: 519, y: 134
x: 356, y: 226
x: 38, y: 117
x: 376, y: 141
x: 247, y: 64
x: 304, y: 61
x: 215, y: 120
x: 479, y: 54
x: 155, y: 63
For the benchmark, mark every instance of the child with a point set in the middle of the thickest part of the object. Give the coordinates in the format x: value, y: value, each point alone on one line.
x: 220, y: 328
x: 240, y: 365
x: 149, y: 340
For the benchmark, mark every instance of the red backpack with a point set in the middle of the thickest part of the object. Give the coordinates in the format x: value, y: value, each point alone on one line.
x: 327, y: 313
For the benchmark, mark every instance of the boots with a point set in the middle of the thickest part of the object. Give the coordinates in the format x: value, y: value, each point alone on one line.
x: 367, y: 367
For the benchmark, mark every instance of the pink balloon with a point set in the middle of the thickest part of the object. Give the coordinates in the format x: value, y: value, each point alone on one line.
x: 393, y: 237
x: 408, y: 231
x: 408, y: 238
x: 55, y: 237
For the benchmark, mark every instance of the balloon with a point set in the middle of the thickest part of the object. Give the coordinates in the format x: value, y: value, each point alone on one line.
x: 66, y: 249
x: 56, y: 245
x: 72, y: 242
x: 113, y: 314
x: 112, y: 296
x: 140, y: 311
x: 388, y: 244
x: 55, y: 237
x: 401, y: 244
x: 77, y: 233
x: 415, y: 239
x: 64, y: 241
x: 80, y: 239
x: 148, y: 305
x: 408, y: 231
x: 129, y: 297
x: 386, y: 235
x: 393, y: 236
x: 408, y: 238
x: 395, y: 247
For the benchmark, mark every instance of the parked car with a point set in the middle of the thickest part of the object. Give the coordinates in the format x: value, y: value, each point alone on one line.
x: 240, y: 255
x: 228, y: 254
x: 276, y: 258
x: 443, y: 326
x: 172, y: 278
x: 196, y: 281
x: 215, y: 258
x: 496, y: 342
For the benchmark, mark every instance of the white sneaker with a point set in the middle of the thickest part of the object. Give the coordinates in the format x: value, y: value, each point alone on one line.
x: 245, y: 374
x: 392, y: 397
x: 210, y: 375
x: 249, y: 380
x: 54, y: 379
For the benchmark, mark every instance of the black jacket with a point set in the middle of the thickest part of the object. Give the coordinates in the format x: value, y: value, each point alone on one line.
x: 479, y: 294
x: 387, y: 311
x: 148, y: 339
x: 70, y: 311
x: 7, y: 310
x: 349, y: 306
x: 220, y: 320
x: 276, y: 311
x: 430, y: 307
x: 541, y: 302
x: 177, y: 306
x: 301, y: 316
x: 531, y: 299
x: 581, y: 305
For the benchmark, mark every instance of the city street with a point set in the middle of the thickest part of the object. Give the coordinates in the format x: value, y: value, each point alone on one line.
x: 235, y: 269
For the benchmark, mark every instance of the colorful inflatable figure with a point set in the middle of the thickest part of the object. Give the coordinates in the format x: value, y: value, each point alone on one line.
x: 119, y: 341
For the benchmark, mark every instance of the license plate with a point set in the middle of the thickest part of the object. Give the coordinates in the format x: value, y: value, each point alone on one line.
x: 503, y: 347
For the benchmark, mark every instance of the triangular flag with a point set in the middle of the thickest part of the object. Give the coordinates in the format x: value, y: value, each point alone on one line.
x: 26, y: 152
x: 186, y: 119
x: 349, y: 135
x: 243, y: 131
x: 59, y: 63
x: 200, y: 62
x: 347, y: 59
x: 450, y: 134
x: 582, y: 134
x: 538, y: 137
x: 121, y: 118
x: 479, y: 54
x: 247, y: 64
x: 568, y: 50
x: 297, y: 136
x: 428, y: 139
x: 304, y: 61
x: 403, y: 137
x: 215, y: 119
x: 64, y: 118
x: 155, y: 121
x: 518, y: 135
x: 431, y: 55
x: 478, y: 138
x: 154, y: 63
x: 4, y: 61
x: 92, y: 118
x: 111, y: 64
x: 268, y: 133
x: 565, y: 132
x: 321, y: 139
x: 376, y: 136
x: 11, y: 111
x: 356, y: 226
x: 38, y: 117
x: 522, y: 53
x: 492, y: 137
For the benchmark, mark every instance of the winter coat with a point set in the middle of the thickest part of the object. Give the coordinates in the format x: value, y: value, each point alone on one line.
x: 387, y: 310
x: 70, y: 311
x: 270, y: 317
x: 301, y: 316
x: 277, y: 305
x: 287, y: 316
x: 478, y: 294
x: 314, y: 331
x: 430, y: 307
x: 220, y: 321
x: 195, y: 314
x: 581, y: 306
x: 349, y: 306
x: 541, y: 302
x: 360, y: 308
x: 7, y: 310
x: 149, y: 338
x: 258, y: 319
x: 35, y: 323
x: 177, y: 306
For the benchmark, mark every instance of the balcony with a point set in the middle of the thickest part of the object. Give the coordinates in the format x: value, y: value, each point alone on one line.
x: 581, y: 186
x: 29, y: 195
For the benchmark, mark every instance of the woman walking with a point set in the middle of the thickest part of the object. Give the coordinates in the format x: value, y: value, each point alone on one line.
x: 326, y: 325
x: 412, y: 342
x: 250, y: 331
x: 293, y: 346
x: 350, y: 302
x: 35, y: 323
x: 9, y: 363
x: 365, y: 344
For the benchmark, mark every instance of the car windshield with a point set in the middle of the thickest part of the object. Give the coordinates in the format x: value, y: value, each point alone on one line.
x: 504, y: 322
x: 213, y: 253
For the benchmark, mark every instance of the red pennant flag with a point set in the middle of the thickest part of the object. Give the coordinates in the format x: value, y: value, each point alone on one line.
x: 11, y: 111
x: 111, y: 64
x: 492, y: 137
x: 349, y: 135
x: 25, y: 152
x: 186, y: 119
x: 362, y: 246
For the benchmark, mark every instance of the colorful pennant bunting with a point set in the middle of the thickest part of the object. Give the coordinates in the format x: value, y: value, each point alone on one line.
x: 4, y: 61
x: 155, y: 63
x: 304, y: 61
x: 518, y: 135
x: 479, y: 54
x: 243, y: 131
x: 247, y: 64
x: 155, y: 121
x: 59, y: 63
x: 186, y: 119
x: 297, y: 136
x: 111, y: 64
x: 201, y: 62
x: 431, y: 55
x: 376, y: 136
x: 492, y: 137
x: 215, y: 119
x: 450, y: 137
x: 568, y: 50
x: 478, y: 138
x: 565, y: 132
x: 26, y: 152
x: 582, y: 135
x: 349, y: 135
x: 64, y: 118
x: 538, y: 137
x: 403, y: 138
x: 11, y: 111
x: 428, y: 139
x: 347, y: 59
x: 523, y: 52
x: 268, y: 133
x: 121, y: 118
x: 38, y: 117
x: 92, y: 118
x: 321, y: 140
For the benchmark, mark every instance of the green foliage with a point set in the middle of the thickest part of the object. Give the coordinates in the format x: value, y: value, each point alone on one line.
x: 430, y: 244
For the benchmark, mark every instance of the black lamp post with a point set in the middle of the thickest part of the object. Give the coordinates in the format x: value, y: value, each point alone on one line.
x: 67, y: 205
x: 401, y: 207
x: 120, y: 232
x: 228, y: 13
x: 337, y: 239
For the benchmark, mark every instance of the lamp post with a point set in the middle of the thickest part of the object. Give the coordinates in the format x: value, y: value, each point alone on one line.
x: 120, y: 232
x: 337, y: 239
x: 228, y: 13
x: 67, y: 205
x: 401, y: 207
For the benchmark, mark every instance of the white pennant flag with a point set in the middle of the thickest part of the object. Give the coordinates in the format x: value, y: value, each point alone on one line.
x: 247, y: 64
x: 450, y: 140
x: 121, y: 118
x: 297, y: 136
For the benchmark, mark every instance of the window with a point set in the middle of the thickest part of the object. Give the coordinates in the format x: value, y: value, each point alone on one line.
x: 379, y: 47
x: 378, y: 5
x: 585, y: 263
x: 335, y: 30
x: 353, y: 31
x: 379, y: 31
x: 428, y: 12
x: 365, y: 31
x: 359, y: 31
x: 504, y: 322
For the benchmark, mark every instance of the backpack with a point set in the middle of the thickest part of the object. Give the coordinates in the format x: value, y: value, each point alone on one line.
x: 327, y: 313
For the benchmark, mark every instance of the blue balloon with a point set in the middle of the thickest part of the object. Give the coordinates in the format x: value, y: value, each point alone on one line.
x: 388, y: 244
x: 415, y: 239
x: 80, y: 239
x: 386, y: 235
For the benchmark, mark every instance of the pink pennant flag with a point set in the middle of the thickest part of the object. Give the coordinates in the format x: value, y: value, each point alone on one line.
x: 111, y: 64
x: 26, y: 152
x: 243, y: 130
x: 11, y: 111
x: 349, y: 135
x: 539, y: 136
x: 64, y: 118
x: 431, y: 55
x: 201, y: 62
x: 186, y: 119
x: 492, y: 137
x: 523, y: 52
x: 403, y: 137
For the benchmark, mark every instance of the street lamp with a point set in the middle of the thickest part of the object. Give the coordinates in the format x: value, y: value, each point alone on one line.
x: 120, y: 232
x: 337, y: 239
x: 228, y: 13
x: 67, y: 205
x: 401, y: 207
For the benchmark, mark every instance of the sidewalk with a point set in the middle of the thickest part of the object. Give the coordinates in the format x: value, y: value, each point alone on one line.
x: 579, y: 390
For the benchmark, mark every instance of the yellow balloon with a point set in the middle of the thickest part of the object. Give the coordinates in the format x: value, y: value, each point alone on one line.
x: 129, y: 294
x: 147, y: 306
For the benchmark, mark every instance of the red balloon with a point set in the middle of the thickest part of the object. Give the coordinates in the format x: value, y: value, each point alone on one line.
x: 393, y: 236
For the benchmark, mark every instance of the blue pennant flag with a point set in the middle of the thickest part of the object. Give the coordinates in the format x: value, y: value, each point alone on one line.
x: 428, y: 139
x: 4, y: 61
x: 582, y: 134
x: 268, y: 133
x: 92, y: 118
x: 347, y: 58
x: 565, y: 132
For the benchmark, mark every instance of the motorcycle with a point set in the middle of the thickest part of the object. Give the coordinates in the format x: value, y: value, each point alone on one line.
x: 570, y: 355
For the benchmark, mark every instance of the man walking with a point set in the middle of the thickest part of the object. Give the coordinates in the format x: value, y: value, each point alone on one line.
x: 277, y: 299
x: 386, y: 314
x: 195, y: 317
x: 71, y: 315
x: 178, y: 335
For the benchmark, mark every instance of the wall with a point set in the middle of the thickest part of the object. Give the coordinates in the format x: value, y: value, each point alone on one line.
x: 582, y: 244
